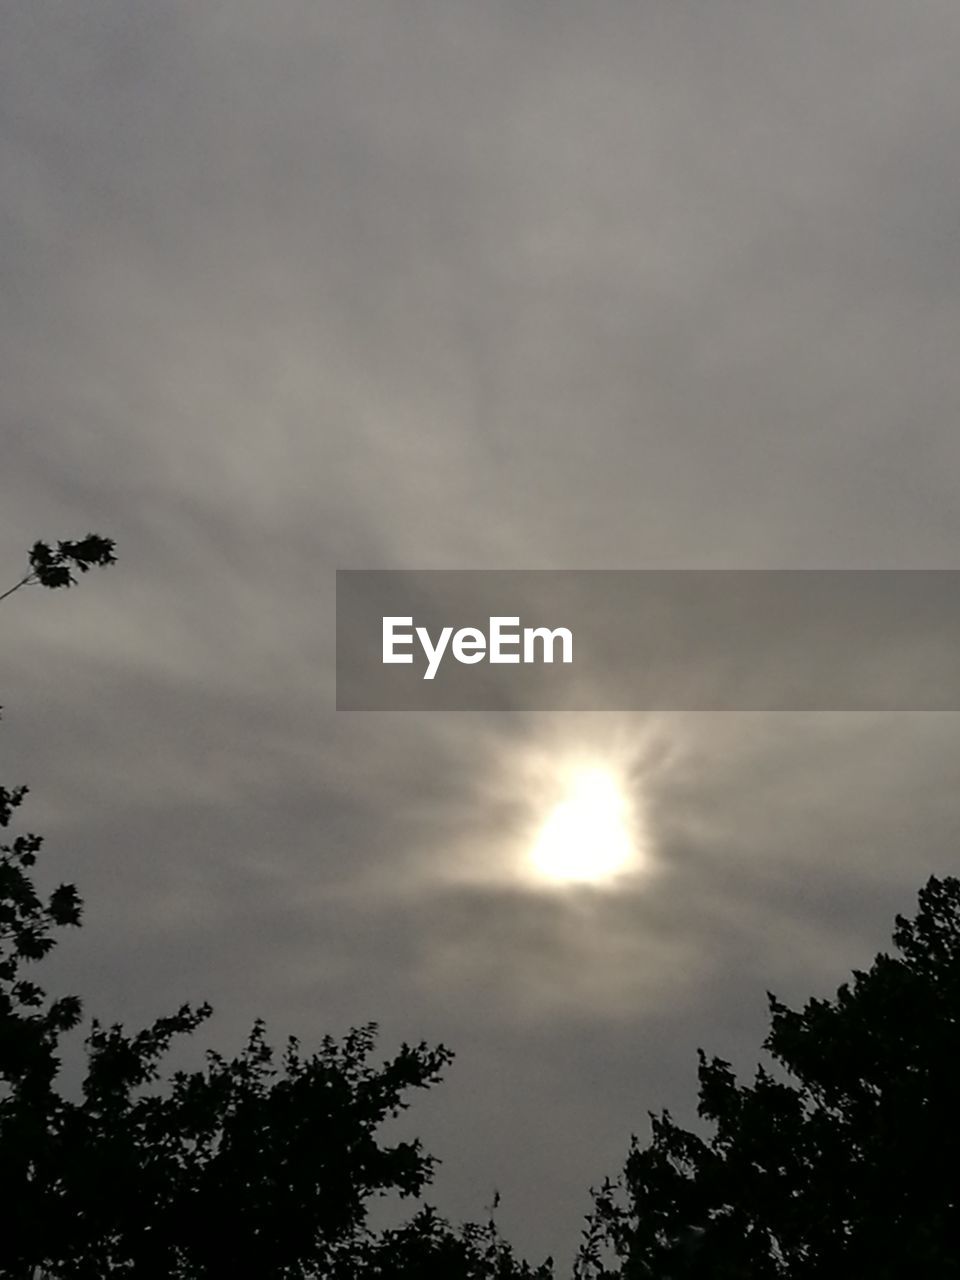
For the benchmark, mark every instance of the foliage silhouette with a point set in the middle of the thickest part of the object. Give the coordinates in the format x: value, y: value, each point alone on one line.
x: 845, y: 1163
x: 260, y: 1165
x: 53, y: 566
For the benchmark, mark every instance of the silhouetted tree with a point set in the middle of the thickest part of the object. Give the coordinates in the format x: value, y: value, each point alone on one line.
x: 426, y: 1248
x: 846, y: 1163
x: 262, y: 1165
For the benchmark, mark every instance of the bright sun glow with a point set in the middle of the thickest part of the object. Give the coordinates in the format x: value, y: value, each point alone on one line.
x: 586, y: 838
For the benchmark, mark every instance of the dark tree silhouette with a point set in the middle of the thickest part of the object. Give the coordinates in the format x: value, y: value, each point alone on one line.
x: 261, y: 1165
x: 846, y: 1163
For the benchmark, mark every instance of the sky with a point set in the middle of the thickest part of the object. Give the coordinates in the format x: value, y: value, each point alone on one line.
x: 294, y: 287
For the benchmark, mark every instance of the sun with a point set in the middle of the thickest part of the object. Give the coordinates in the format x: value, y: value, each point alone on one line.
x: 586, y: 838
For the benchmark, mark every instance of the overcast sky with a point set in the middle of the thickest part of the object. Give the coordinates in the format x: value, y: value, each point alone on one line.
x: 289, y: 287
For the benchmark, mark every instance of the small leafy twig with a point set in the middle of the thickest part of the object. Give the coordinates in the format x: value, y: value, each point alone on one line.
x: 52, y: 567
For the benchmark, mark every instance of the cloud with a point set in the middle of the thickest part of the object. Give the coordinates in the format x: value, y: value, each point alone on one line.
x: 297, y: 287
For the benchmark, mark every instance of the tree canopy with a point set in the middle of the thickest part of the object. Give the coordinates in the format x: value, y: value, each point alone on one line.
x: 844, y: 1160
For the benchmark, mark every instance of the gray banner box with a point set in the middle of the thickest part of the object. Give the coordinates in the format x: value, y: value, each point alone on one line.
x: 662, y: 640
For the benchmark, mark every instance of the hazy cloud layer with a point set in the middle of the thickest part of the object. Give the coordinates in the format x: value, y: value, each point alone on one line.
x: 294, y: 287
